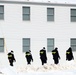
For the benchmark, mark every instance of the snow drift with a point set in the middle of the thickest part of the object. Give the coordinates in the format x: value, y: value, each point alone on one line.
x: 69, y: 68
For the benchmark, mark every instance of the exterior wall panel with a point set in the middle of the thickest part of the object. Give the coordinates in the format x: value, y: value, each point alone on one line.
x: 38, y: 29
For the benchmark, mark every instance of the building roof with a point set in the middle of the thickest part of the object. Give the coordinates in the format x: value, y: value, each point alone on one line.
x: 38, y: 3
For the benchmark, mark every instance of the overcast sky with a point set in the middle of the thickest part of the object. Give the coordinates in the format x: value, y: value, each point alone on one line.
x: 55, y: 1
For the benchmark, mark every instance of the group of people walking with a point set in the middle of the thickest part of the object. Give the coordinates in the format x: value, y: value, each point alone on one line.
x: 43, y: 56
x: 56, y: 56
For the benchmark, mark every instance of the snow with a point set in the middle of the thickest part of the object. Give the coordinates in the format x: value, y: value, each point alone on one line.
x: 68, y: 68
x: 9, y: 71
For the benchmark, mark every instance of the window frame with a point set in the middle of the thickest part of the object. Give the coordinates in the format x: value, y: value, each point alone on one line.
x: 72, y: 16
x: 51, y: 15
x: 24, y: 14
x: 50, y: 44
x: 2, y: 45
x: 2, y: 13
x: 26, y: 45
x: 72, y: 45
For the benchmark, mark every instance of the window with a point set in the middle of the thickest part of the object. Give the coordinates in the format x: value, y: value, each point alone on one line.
x: 73, y: 44
x: 73, y: 15
x: 26, y: 44
x: 50, y: 14
x: 26, y: 13
x: 1, y: 45
x: 1, y: 12
x: 50, y: 44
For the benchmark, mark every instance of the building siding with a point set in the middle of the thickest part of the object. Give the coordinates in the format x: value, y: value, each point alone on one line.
x: 38, y: 29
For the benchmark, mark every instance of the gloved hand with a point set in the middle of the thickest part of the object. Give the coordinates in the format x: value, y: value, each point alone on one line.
x: 73, y: 58
x: 14, y: 60
x: 32, y: 60
x: 59, y: 57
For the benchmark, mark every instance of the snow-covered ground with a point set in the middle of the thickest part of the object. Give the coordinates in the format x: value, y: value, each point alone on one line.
x: 68, y: 68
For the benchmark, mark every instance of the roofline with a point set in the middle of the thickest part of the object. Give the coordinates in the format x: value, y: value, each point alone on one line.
x: 39, y: 3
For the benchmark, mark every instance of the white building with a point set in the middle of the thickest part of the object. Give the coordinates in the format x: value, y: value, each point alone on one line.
x: 28, y: 25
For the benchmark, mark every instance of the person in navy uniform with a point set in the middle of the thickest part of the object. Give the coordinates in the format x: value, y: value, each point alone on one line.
x: 29, y: 57
x: 43, y: 56
x: 11, y: 58
x: 56, y: 56
x: 69, y: 54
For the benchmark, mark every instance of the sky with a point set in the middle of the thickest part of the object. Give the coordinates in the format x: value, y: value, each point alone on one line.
x: 53, y: 1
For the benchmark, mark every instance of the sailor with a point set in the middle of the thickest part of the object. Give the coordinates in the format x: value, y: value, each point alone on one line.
x: 29, y: 57
x: 56, y: 56
x: 11, y: 58
x: 69, y: 54
x: 43, y: 56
